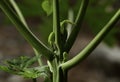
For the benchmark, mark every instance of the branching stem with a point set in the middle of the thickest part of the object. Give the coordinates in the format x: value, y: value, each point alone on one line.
x: 93, y: 44
x: 78, y: 23
x: 28, y: 35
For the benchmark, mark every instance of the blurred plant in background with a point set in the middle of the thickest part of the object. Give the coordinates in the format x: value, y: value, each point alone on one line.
x: 98, y: 14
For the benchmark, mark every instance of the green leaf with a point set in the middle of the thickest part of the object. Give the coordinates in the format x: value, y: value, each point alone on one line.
x: 21, y: 62
x: 4, y: 68
x: 35, y: 72
x: 17, y: 65
x: 47, y: 6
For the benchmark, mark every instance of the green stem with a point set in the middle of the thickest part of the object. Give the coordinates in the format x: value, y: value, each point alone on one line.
x: 53, y: 67
x: 93, y: 44
x: 37, y: 55
x: 78, y: 23
x: 28, y: 35
x: 56, y: 24
x: 58, y: 74
x: 16, y: 8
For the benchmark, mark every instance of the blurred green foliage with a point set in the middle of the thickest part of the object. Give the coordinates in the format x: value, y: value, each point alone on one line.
x: 98, y: 13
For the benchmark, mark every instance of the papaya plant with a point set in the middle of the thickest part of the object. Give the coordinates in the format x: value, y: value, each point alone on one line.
x: 60, y: 43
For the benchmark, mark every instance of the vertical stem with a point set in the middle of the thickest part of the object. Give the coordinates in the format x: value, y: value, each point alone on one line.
x: 63, y: 75
x: 54, y: 70
x: 56, y: 24
x: 59, y: 75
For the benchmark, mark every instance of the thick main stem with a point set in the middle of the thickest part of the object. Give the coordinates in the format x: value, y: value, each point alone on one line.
x: 58, y: 74
x: 56, y: 24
